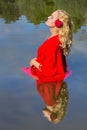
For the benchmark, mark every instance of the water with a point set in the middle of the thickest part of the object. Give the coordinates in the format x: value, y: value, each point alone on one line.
x: 20, y: 103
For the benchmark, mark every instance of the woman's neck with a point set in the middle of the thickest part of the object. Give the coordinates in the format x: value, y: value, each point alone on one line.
x: 53, y: 32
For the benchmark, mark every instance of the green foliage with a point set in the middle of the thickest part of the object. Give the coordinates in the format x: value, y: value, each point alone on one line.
x: 9, y: 10
x: 36, y: 11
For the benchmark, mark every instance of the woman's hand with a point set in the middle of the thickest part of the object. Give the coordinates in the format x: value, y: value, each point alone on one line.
x: 32, y: 62
x: 36, y: 64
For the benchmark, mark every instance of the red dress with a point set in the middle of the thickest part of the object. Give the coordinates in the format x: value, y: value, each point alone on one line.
x: 50, y: 56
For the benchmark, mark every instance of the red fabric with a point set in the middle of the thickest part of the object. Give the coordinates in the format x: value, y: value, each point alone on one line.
x: 29, y: 71
x: 49, y: 92
x: 53, y: 62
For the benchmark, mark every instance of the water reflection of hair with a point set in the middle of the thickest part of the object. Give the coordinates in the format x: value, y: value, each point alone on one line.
x: 57, y: 112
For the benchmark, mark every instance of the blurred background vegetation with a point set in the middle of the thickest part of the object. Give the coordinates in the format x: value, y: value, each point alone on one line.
x: 36, y: 11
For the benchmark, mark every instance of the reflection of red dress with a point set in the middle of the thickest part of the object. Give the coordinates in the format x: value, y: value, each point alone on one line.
x: 49, y: 92
x: 53, y: 61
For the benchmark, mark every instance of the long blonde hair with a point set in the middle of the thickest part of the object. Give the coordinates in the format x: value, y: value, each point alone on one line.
x: 65, y: 32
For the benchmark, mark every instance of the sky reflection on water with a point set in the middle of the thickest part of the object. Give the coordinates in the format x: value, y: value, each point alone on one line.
x: 20, y: 104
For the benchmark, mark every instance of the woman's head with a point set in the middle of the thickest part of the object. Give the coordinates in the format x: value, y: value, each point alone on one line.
x: 61, y: 22
x: 59, y: 15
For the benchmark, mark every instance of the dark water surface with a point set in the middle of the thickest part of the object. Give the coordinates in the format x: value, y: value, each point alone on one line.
x: 20, y: 104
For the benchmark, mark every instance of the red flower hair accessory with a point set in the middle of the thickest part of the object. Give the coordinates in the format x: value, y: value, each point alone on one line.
x: 58, y: 23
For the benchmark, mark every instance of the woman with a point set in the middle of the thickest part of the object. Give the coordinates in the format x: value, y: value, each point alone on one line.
x: 50, y: 63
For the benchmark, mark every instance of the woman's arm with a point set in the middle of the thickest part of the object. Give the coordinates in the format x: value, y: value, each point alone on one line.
x: 34, y: 63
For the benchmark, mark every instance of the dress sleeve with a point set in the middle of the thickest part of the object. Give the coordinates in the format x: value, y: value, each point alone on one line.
x: 48, y: 59
x: 49, y: 62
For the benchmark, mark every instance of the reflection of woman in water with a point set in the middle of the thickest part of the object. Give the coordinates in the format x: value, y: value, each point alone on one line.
x: 55, y: 97
x: 50, y: 63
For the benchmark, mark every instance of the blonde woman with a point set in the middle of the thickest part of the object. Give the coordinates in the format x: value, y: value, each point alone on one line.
x: 50, y: 62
